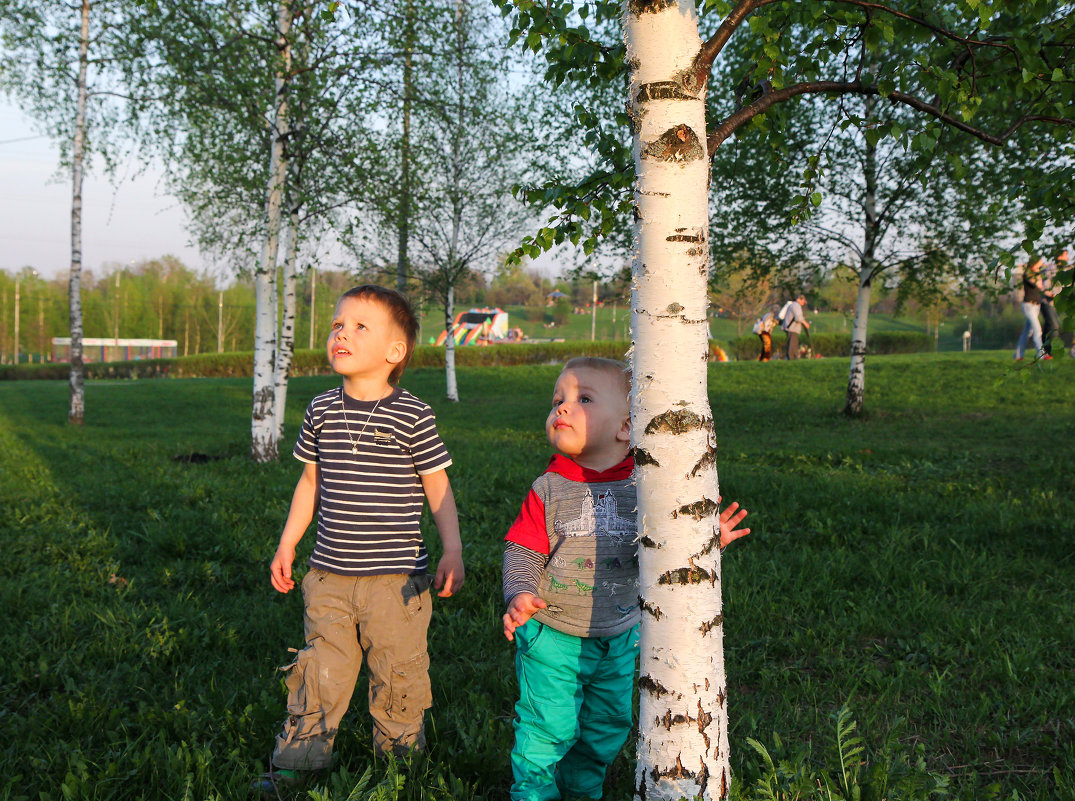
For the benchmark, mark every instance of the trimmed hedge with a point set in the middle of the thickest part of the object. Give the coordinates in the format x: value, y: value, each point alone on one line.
x: 313, y: 362
x: 839, y: 343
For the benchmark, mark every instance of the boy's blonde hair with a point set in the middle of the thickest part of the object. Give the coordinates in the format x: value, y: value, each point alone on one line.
x: 605, y: 365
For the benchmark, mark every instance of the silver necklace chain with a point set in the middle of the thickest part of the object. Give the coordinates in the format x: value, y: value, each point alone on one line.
x: 354, y: 442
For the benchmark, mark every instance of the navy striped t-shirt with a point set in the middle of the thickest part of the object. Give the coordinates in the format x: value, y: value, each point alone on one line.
x: 371, y: 492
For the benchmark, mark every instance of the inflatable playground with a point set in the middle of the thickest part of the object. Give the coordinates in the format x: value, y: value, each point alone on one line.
x: 477, y: 327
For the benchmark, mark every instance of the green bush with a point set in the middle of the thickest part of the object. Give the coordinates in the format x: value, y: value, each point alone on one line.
x: 838, y: 343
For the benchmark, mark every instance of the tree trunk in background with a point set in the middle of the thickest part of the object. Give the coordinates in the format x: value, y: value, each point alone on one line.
x: 287, y: 324
x: 683, y: 721
x: 856, y: 378
x: 264, y: 444
x: 452, y: 389
x: 404, y: 222
x: 77, y: 412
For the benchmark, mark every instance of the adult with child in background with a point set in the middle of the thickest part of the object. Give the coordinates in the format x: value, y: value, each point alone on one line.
x: 1031, y: 305
x: 571, y: 586
x: 793, y: 324
x: 372, y: 456
x: 764, y: 329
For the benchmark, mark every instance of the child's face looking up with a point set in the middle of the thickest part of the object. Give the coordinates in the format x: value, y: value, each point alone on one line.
x: 590, y: 418
x: 363, y: 342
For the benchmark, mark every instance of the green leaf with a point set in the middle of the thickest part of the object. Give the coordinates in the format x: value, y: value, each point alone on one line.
x: 815, y: 199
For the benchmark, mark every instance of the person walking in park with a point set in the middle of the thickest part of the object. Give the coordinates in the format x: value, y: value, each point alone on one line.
x: 1032, y: 293
x: 371, y: 456
x: 764, y: 329
x: 793, y: 324
x: 1049, y: 290
x: 570, y: 585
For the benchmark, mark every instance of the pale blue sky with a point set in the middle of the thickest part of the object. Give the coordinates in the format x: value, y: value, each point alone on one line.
x: 128, y: 222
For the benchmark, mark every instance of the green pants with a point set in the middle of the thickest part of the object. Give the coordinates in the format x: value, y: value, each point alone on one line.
x: 574, y: 710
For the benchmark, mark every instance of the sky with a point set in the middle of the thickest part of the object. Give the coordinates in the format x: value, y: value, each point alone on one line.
x: 130, y: 221
x: 125, y: 221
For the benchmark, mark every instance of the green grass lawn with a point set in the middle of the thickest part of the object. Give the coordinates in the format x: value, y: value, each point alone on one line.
x: 915, y: 567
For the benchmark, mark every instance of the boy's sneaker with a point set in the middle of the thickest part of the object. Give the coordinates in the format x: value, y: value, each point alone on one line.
x: 276, y: 782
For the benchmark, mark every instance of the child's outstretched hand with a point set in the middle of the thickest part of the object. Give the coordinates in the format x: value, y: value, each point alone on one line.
x: 522, y: 607
x: 729, y: 519
x: 450, y: 574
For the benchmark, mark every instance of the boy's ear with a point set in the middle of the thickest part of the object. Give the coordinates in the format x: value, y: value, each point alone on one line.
x: 396, y: 351
x: 624, y: 434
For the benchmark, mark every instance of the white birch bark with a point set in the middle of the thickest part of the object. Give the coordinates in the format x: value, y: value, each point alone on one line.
x: 264, y: 442
x: 451, y: 387
x: 77, y: 411
x: 683, y: 724
x: 287, y: 323
x: 856, y: 379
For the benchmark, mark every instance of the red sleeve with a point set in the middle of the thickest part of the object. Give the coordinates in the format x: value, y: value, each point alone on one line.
x: 528, y: 529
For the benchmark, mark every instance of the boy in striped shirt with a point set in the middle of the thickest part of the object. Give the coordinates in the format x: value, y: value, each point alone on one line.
x: 372, y: 456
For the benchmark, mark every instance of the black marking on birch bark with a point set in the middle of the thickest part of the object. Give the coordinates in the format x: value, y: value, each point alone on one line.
x: 642, y: 789
x: 707, y: 683
x: 677, y: 421
x: 709, y: 625
x: 686, y: 575
x: 653, y: 610
x: 663, y: 90
x: 669, y: 720
x: 636, y: 212
x: 720, y: 698
x: 696, y: 252
x: 634, y: 117
x: 644, y: 457
x: 704, y: 718
x: 679, y: 144
x: 698, y: 510
x: 652, y: 686
x: 723, y: 784
x: 712, y: 543
x: 646, y: 542
x: 709, y: 459
x: 696, y: 239
x: 678, y: 772
x: 703, y: 775
x: 639, y: 7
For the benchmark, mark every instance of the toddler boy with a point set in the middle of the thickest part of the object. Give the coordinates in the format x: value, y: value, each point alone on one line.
x: 372, y: 455
x: 571, y: 586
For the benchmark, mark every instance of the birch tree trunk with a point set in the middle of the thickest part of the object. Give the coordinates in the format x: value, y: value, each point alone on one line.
x: 683, y: 722
x: 77, y: 412
x: 404, y: 221
x: 856, y: 378
x: 287, y: 324
x: 264, y: 439
x: 452, y: 388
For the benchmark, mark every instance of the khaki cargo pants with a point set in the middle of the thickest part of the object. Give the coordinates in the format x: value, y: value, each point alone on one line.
x: 385, y: 619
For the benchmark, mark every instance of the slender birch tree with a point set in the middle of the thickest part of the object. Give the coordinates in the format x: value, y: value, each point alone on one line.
x: 261, y: 117
x: 64, y: 66
x: 1025, y: 59
x: 468, y: 138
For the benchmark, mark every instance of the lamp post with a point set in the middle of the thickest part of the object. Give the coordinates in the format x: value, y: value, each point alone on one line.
x: 17, y: 319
